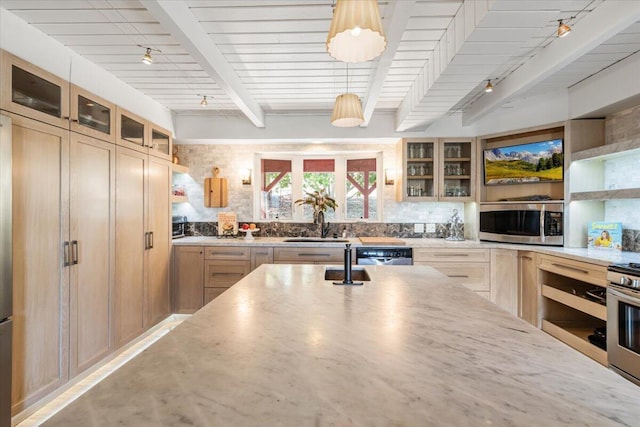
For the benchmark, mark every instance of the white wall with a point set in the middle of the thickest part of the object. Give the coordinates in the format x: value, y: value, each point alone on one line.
x: 30, y: 44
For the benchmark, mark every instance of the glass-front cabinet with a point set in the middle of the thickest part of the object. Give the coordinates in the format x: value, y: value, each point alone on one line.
x: 436, y: 169
x: 131, y: 131
x: 92, y: 115
x: 160, y: 142
x: 32, y: 92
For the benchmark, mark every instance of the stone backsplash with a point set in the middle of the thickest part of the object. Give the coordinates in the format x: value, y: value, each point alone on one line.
x: 305, y: 229
x: 630, y: 240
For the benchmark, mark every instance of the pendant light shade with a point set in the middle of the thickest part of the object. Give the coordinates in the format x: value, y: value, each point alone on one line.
x: 356, y: 33
x: 347, y: 111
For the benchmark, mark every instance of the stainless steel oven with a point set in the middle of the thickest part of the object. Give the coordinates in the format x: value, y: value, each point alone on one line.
x: 623, y: 320
x: 529, y: 223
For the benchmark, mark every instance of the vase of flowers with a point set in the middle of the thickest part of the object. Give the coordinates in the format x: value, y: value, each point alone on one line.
x: 319, y: 201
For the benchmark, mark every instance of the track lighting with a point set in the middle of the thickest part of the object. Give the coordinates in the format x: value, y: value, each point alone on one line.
x: 563, y: 29
x: 488, y: 87
x: 146, y: 58
x: 204, y: 102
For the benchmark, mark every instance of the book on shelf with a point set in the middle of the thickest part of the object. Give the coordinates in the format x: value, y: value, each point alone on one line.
x: 604, y: 235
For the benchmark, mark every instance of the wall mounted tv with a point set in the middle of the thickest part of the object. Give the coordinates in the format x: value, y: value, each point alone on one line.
x: 531, y: 163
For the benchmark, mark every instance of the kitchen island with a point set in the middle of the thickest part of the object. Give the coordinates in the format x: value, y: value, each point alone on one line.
x: 285, y: 347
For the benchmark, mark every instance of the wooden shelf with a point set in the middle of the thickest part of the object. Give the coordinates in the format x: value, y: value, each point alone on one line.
x: 575, y: 335
x: 420, y: 160
x: 179, y: 168
x: 179, y: 199
x: 574, y: 301
x: 420, y: 177
x: 625, y: 193
x: 608, y: 151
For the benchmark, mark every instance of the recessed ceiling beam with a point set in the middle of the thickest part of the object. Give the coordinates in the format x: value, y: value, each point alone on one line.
x: 607, y: 20
x: 176, y: 17
x: 397, y: 14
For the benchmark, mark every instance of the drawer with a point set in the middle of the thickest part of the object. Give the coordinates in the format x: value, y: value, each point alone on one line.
x: 584, y: 271
x: 212, y: 293
x: 228, y: 252
x: 223, y: 273
x: 476, y: 277
x: 451, y: 255
x: 300, y: 255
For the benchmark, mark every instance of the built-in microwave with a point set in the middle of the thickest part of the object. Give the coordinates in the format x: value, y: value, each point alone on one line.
x: 517, y: 222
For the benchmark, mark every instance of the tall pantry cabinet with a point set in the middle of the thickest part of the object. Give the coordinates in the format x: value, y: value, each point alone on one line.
x: 65, y: 170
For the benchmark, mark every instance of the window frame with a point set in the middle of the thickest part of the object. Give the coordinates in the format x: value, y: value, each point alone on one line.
x: 341, y: 182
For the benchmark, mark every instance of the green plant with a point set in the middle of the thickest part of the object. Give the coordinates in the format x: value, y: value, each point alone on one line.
x: 319, y: 200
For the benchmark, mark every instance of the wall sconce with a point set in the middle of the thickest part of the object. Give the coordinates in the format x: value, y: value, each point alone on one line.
x: 389, y: 176
x: 247, y: 180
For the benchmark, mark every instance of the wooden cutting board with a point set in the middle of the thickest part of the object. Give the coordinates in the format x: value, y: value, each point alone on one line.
x: 382, y: 241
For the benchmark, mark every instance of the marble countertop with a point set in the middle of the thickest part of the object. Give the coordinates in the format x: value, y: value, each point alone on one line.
x: 285, y: 348
x: 596, y: 256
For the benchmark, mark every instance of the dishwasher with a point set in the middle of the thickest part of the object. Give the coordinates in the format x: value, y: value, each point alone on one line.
x: 367, y: 255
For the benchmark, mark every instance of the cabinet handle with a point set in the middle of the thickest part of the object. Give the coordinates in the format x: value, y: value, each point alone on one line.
x: 308, y: 254
x: 465, y: 276
x: 566, y: 267
x: 74, y: 252
x: 526, y: 257
x: 65, y: 254
x: 151, y: 240
x: 441, y: 255
x: 146, y: 240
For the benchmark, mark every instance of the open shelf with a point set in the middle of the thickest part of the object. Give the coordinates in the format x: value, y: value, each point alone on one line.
x: 608, y: 151
x: 624, y: 193
x: 179, y: 168
x: 179, y: 199
x: 564, y: 296
x: 574, y: 334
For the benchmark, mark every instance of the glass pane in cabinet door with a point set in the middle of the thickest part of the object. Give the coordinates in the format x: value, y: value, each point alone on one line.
x: 160, y: 142
x: 94, y: 115
x: 457, y: 187
x: 35, y: 92
x: 132, y: 130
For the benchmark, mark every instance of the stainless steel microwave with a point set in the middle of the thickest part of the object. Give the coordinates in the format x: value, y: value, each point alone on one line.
x: 528, y: 223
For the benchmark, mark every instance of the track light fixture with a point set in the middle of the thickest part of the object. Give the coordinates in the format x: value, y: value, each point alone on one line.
x: 488, y: 87
x: 204, y: 102
x: 563, y: 29
x: 146, y: 58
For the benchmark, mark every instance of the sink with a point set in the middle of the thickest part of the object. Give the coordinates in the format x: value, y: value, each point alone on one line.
x: 357, y: 274
x: 315, y: 240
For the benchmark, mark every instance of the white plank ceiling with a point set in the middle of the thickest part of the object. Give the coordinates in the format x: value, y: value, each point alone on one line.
x: 272, y: 55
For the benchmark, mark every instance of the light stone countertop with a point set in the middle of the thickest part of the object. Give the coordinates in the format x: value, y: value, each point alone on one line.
x: 283, y: 347
x: 596, y: 256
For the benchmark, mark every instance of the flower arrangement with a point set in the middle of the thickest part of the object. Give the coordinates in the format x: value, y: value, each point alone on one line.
x: 319, y: 200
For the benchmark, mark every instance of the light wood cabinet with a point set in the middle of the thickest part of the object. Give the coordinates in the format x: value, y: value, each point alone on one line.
x: 40, y: 277
x: 32, y: 92
x: 567, y: 313
x: 261, y: 255
x: 528, y: 284
x: 303, y: 255
x: 223, y: 267
x: 470, y: 268
x: 132, y: 131
x: 436, y: 169
x: 188, y: 279
x: 92, y: 116
x: 160, y: 142
x: 92, y: 237
x: 504, y: 279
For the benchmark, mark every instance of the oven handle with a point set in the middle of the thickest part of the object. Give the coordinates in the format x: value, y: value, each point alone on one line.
x: 627, y: 295
x: 542, y: 219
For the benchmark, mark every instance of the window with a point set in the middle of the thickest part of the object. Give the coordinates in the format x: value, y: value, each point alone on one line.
x: 352, y: 179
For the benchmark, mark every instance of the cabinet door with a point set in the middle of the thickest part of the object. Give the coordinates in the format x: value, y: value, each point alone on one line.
x: 529, y: 292
x: 418, y: 178
x: 92, y: 183
x: 456, y: 169
x: 40, y: 279
x: 131, y: 206
x: 160, y: 142
x: 504, y: 279
x: 92, y: 115
x: 188, y: 279
x: 160, y: 240
x: 32, y: 92
x: 220, y: 273
x: 261, y: 255
x: 131, y: 131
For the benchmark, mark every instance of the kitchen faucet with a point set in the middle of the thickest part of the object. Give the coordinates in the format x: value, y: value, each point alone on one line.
x: 324, y: 229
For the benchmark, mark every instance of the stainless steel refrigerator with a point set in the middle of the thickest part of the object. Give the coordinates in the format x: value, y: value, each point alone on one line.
x: 5, y: 271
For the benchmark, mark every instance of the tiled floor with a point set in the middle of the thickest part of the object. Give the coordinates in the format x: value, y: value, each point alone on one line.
x: 97, y: 374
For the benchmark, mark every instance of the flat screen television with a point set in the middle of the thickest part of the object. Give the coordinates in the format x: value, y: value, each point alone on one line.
x: 530, y: 163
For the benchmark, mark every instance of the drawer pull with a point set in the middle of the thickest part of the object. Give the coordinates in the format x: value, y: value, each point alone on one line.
x: 308, y: 254
x: 441, y: 255
x: 464, y: 276
x: 566, y: 267
x: 527, y: 257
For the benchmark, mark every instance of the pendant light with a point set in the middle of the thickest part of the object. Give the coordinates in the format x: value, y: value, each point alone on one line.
x: 146, y: 58
x: 347, y: 110
x: 563, y: 29
x: 356, y: 33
